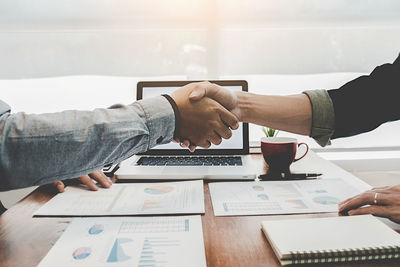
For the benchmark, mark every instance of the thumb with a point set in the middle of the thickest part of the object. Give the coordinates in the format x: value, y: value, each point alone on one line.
x: 197, y: 93
x: 59, y: 185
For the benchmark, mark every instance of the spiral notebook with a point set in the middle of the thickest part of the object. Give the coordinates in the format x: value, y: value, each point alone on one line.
x: 334, y: 239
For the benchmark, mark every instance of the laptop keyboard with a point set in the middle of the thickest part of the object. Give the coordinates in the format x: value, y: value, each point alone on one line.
x: 191, y: 161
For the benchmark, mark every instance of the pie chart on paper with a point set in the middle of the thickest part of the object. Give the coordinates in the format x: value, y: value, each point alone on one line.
x: 326, y: 200
x: 258, y: 188
x: 158, y: 189
x: 263, y: 196
x: 81, y: 253
x: 96, y: 229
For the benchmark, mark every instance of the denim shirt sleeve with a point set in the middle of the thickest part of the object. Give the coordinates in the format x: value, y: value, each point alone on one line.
x: 323, y: 116
x: 40, y: 148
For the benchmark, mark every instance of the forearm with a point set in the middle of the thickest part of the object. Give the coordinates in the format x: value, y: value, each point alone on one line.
x: 37, y: 149
x: 288, y: 113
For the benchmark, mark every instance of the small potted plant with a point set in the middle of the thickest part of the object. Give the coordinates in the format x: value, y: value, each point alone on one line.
x: 269, y: 132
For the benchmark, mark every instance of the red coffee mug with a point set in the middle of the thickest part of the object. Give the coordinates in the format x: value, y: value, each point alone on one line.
x: 280, y: 152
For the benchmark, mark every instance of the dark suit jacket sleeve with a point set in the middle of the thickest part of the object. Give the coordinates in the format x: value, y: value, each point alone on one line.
x: 363, y: 104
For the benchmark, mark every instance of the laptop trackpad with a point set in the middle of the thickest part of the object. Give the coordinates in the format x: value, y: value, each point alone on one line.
x: 181, y: 170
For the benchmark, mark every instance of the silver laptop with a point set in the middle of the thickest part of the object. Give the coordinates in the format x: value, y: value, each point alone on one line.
x: 228, y: 161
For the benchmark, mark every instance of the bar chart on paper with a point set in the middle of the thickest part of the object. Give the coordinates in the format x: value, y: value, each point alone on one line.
x: 139, y: 241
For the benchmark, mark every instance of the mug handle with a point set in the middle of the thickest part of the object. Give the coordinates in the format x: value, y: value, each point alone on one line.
x: 298, y: 145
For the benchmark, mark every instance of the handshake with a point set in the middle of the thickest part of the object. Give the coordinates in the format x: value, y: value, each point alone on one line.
x: 208, y: 113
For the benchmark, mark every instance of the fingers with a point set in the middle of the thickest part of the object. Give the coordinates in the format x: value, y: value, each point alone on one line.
x: 362, y: 199
x: 395, y: 188
x: 215, y: 138
x: 223, y: 131
x: 185, y: 143
x: 59, y: 185
x: 345, y: 201
x: 381, y: 211
x: 224, y: 96
x: 392, y: 212
x: 211, y: 90
x: 86, y: 180
x: 366, y: 198
x: 228, y: 118
x: 379, y: 188
x: 100, y: 177
x: 204, y: 144
x: 383, y: 202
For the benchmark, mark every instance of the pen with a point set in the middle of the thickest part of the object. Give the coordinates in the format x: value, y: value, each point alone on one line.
x: 289, y: 177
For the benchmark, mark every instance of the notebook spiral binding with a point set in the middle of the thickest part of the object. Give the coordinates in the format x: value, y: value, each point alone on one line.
x: 364, y: 254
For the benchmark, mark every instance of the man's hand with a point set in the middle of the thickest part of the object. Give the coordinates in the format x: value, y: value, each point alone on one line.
x: 225, y: 97
x: 381, y: 201
x: 87, y: 180
x: 204, y: 121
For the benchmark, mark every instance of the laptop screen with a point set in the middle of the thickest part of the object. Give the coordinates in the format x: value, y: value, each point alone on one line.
x: 237, y: 144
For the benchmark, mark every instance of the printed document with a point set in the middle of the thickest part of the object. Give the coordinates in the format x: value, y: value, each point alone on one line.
x: 130, y: 241
x: 279, y: 197
x: 128, y: 199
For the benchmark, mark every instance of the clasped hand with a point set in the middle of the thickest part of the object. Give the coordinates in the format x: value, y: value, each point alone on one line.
x: 204, y: 121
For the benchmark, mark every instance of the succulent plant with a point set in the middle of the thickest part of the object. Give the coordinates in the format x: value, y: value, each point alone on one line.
x: 269, y: 132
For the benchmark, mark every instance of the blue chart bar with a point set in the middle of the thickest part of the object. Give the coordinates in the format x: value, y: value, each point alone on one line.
x: 225, y: 207
x: 153, y: 251
x: 187, y: 225
x: 117, y: 253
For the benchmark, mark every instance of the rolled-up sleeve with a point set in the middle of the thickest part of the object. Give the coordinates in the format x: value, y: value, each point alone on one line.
x: 41, y: 148
x: 323, y: 116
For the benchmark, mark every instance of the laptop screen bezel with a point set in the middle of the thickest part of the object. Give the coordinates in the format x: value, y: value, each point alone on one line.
x: 199, y: 151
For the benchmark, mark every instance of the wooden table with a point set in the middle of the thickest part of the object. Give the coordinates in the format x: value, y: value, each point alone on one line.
x: 229, y: 241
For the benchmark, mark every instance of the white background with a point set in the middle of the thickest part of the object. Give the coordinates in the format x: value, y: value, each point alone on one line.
x: 197, y: 38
